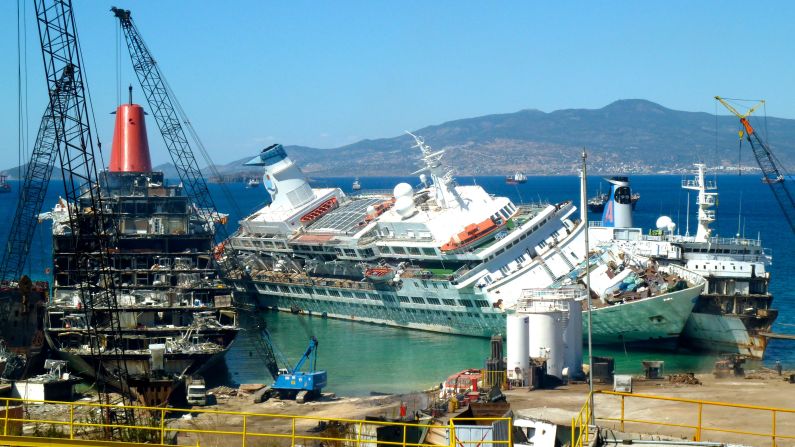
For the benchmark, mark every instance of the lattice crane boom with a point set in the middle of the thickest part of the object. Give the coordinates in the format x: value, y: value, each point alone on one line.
x: 91, y: 225
x: 772, y: 171
x: 34, y: 187
x: 170, y: 117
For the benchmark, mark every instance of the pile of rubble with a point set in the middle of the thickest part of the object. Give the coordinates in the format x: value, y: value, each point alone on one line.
x: 227, y: 392
x: 684, y: 379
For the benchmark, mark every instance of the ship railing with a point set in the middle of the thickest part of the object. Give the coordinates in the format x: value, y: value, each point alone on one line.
x: 690, y: 276
x: 88, y: 423
x: 363, y: 193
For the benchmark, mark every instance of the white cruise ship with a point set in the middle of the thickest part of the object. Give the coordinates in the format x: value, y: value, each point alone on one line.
x: 735, y: 310
x: 436, y: 256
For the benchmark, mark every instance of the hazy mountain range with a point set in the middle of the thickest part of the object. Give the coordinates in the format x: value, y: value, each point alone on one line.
x: 633, y: 136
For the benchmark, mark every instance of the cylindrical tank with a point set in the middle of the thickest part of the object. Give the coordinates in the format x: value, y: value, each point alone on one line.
x: 130, y: 151
x: 546, y: 338
x: 518, y: 347
x: 572, y: 339
x: 283, y: 180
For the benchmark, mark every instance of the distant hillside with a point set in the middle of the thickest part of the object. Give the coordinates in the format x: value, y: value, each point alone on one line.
x: 632, y: 136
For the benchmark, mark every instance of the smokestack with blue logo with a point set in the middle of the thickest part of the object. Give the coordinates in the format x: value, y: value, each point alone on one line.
x: 283, y: 180
x: 618, y: 209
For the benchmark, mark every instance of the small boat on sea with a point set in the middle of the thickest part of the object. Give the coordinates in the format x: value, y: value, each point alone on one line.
x: 4, y: 185
x: 516, y: 178
x: 356, y: 185
x: 252, y: 183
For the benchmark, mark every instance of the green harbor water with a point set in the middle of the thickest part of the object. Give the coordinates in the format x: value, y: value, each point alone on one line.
x: 363, y: 358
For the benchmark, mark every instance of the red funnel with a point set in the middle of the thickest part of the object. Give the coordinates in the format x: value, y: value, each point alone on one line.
x: 130, y: 147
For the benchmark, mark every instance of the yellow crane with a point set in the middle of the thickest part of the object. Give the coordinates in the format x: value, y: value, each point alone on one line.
x: 772, y: 171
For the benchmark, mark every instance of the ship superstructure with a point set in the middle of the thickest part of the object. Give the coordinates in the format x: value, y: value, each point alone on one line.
x: 174, y: 313
x: 439, y: 256
x: 735, y: 308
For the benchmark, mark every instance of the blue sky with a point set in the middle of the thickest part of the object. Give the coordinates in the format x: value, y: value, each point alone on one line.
x: 323, y: 73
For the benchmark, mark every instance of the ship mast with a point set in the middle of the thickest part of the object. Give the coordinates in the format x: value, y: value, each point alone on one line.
x: 443, y: 181
x: 705, y: 201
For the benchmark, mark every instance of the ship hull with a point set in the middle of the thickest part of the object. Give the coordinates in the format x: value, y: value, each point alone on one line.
x: 722, y: 333
x: 656, y: 321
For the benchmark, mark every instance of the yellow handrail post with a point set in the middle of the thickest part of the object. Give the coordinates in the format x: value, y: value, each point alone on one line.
x: 5, y: 424
x: 510, y: 432
x: 452, y: 434
x: 622, y: 412
x: 244, y: 429
x: 774, y: 428
x: 163, y: 426
x: 698, y: 430
x: 404, y: 436
x: 72, y: 422
x: 359, y: 435
x: 588, y: 420
x: 572, y: 432
x: 292, y: 438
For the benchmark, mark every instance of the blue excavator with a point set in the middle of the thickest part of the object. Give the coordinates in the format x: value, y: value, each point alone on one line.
x: 292, y: 383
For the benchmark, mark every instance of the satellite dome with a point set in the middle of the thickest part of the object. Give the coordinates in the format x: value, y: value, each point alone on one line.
x: 403, y: 190
x: 370, y: 210
x: 423, y: 178
x: 665, y: 223
x: 404, y: 206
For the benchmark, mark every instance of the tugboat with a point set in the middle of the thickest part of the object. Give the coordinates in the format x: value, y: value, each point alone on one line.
x: 172, y: 315
x: 252, y: 183
x: 516, y: 178
x: 4, y: 185
x: 356, y: 185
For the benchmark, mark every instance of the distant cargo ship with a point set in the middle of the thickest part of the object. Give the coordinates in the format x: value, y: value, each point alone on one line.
x: 253, y: 183
x: 516, y: 178
x: 4, y: 185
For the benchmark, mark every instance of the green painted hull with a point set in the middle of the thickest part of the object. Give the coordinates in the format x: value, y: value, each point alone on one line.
x: 654, y: 321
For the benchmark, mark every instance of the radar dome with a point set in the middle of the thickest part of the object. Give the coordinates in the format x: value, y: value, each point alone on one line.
x: 403, y: 190
x: 370, y: 210
x: 665, y: 223
x: 404, y: 206
x: 423, y: 178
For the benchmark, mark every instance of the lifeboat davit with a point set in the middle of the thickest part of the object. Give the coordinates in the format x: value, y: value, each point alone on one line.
x: 379, y: 274
x: 472, y: 233
x: 321, y: 210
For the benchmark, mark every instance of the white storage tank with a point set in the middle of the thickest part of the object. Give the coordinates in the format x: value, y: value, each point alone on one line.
x: 546, y: 337
x: 572, y: 339
x: 518, y: 349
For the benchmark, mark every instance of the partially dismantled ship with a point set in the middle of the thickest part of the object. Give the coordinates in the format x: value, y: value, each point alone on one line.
x: 168, y: 309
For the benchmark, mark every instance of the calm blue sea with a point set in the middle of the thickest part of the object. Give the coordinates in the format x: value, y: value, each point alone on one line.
x: 362, y: 358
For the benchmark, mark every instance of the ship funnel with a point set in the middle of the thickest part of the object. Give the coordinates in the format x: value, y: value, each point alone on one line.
x: 283, y: 180
x: 618, y: 209
x: 130, y: 146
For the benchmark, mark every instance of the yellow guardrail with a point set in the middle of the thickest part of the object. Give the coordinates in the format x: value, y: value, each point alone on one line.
x: 700, y: 426
x: 103, y: 423
x: 580, y: 425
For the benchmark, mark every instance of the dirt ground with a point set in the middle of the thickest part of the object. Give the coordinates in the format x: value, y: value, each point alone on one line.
x: 759, y: 388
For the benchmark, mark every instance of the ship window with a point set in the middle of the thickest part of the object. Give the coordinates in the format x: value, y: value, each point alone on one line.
x: 448, y: 302
x: 428, y: 251
x: 399, y: 250
x: 350, y: 252
x: 333, y: 293
x: 403, y: 299
x: 482, y: 303
x: 542, y: 244
x: 414, y: 250
x: 434, y: 301
x: 360, y: 295
x: 444, y: 285
x: 466, y: 303
x: 418, y: 300
x: 347, y: 294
